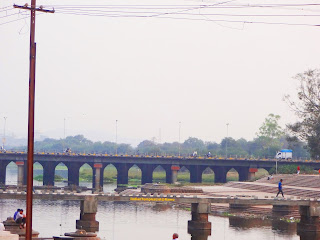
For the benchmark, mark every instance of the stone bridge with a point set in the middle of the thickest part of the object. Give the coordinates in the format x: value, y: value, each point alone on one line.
x: 246, y: 168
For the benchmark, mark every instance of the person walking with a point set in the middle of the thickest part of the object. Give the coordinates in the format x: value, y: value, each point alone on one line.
x: 280, y: 188
x: 298, y: 169
x: 175, y: 236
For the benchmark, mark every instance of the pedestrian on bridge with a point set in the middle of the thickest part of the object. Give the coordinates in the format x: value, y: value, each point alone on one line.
x: 175, y: 236
x: 298, y: 169
x: 280, y: 188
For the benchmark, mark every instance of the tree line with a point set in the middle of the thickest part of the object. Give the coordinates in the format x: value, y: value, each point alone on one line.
x: 269, y: 139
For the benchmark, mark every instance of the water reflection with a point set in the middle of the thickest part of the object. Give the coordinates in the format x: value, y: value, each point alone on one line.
x: 247, y: 223
x: 284, y: 228
x: 309, y: 236
x: 199, y: 235
x: 279, y: 226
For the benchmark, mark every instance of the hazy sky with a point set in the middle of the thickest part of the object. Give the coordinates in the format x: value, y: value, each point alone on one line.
x: 151, y: 73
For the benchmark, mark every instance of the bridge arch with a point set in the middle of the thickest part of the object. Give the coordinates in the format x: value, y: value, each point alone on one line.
x: 184, y: 174
x: 159, y: 174
x: 61, y: 175
x: 135, y: 175
x: 85, y: 175
x: 208, y: 175
x: 38, y: 174
x: 11, y: 173
x: 233, y: 175
x: 110, y: 173
x: 3, y: 168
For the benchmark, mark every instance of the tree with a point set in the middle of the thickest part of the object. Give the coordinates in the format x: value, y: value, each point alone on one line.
x: 307, y: 109
x: 269, y: 135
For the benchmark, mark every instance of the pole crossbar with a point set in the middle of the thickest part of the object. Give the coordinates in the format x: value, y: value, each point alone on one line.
x: 32, y: 77
x: 39, y: 9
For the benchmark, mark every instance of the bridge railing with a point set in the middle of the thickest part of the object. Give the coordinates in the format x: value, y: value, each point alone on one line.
x: 214, y: 157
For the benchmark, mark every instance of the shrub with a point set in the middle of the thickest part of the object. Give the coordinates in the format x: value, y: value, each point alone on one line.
x: 289, y: 169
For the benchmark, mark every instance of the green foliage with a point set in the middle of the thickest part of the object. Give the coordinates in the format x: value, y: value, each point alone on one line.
x: 57, y: 178
x: 269, y: 136
x: 291, y: 169
x: 307, y: 108
x: 79, y: 144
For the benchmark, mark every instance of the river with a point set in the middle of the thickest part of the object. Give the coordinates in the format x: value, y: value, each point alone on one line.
x: 123, y: 221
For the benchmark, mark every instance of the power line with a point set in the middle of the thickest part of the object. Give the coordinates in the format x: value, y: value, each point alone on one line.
x: 196, y: 19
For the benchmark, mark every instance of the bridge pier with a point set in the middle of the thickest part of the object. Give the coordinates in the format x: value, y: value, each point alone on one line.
x: 73, y: 173
x: 309, y: 218
x: 220, y: 174
x: 281, y: 210
x: 48, y: 173
x: 252, y: 173
x: 122, y: 176
x: 20, y: 173
x: 3, y: 168
x: 146, y: 173
x: 243, y: 173
x: 169, y: 174
x: 174, y: 173
x: 196, y: 174
x: 199, y: 220
x: 88, y: 210
x: 96, y: 182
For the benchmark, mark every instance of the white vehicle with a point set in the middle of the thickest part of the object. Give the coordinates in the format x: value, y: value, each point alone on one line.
x: 284, y: 154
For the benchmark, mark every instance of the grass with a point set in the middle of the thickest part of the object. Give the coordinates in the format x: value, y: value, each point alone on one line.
x: 57, y: 178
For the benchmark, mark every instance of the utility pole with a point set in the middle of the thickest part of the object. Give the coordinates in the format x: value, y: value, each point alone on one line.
x: 4, y: 132
x: 179, y: 138
x: 32, y: 78
x: 227, y: 140
x: 64, y: 128
x: 116, y: 137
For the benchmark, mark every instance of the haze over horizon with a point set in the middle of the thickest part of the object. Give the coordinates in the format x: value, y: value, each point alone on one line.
x: 150, y: 73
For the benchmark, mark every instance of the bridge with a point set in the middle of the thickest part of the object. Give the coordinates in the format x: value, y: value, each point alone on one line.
x: 246, y: 168
x: 309, y: 209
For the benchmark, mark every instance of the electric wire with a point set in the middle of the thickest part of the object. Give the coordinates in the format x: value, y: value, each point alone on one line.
x: 179, y: 12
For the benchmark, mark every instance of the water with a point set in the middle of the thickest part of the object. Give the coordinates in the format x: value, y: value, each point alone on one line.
x: 122, y: 221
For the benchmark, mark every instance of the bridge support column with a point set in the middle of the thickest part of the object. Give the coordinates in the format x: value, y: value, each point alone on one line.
x: 73, y: 174
x: 220, y: 174
x: 48, y: 174
x: 168, y: 170
x: 88, y: 210
x: 174, y: 173
x: 20, y: 173
x: 195, y: 174
x: 146, y: 173
x: 199, y: 220
x: 252, y: 173
x: 3, y: 167
x: 309, y: 220
x: 122, y: 176
x: 97, y: 174
x: 281, y: 210
x: 243, y: 173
